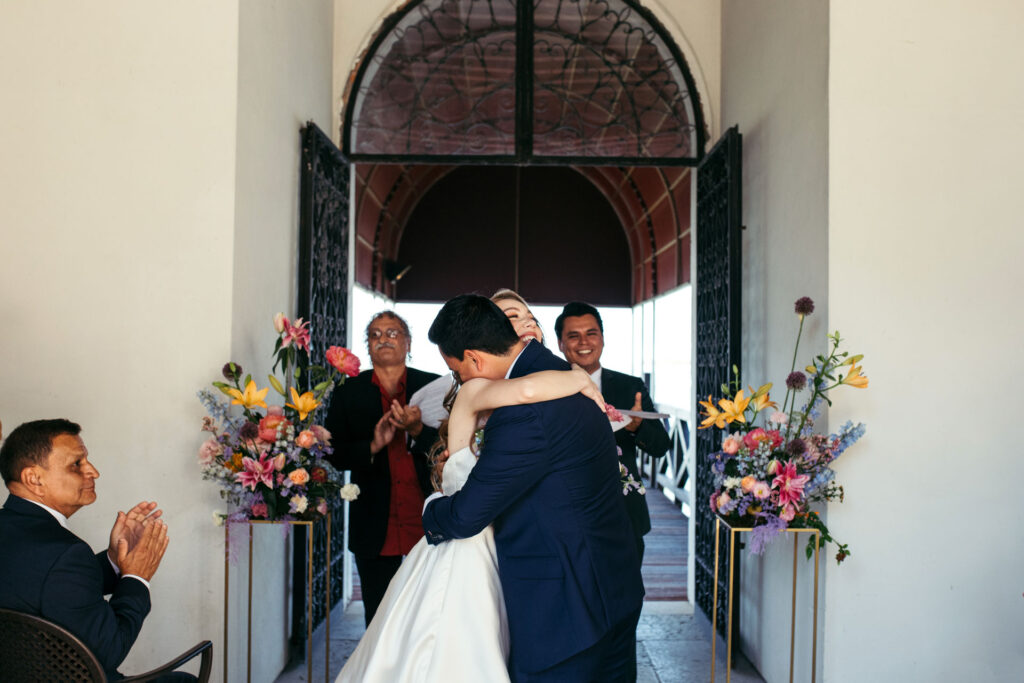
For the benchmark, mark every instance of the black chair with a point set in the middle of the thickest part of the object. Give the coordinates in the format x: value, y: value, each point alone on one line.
x: 34, y: 649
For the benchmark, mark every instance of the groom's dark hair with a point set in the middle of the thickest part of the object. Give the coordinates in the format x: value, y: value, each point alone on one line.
x: 471, y: 321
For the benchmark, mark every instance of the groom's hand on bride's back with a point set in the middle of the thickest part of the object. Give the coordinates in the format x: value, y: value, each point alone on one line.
x: 437, y: 472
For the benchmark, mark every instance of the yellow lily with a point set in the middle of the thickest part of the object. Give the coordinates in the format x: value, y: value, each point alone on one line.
x: 714, y: 417
x: 733, y: 410
x: 855, y: 379
x: 251, y: 398
x: 305, y: 404
x: 761, y: 402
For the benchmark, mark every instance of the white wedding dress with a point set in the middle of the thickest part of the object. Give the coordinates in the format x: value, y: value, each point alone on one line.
x: 443, y: 616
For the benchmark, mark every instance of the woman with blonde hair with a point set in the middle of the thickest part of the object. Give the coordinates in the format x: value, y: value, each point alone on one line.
x: 518, y: 311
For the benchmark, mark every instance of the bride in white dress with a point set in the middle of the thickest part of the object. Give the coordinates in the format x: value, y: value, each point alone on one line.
x: 443, y: 616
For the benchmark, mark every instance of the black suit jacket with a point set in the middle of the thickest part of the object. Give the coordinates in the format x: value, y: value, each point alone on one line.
x: 47, y: 571
x: 355, y: 410
x: 620, y: 390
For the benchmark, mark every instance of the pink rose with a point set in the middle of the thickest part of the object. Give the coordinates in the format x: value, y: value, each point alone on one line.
x: 321, y: 506
x: 305, y: 439
x: 210, y: 449
x: 321, y: 434
x: 258, y: 510
x: 275, y: 410
x: 269, y: 425
x: 731, y: 444
x: 343, y: 360
x: 279, y: 322
x: 299, y: 476
x: 723, y: 500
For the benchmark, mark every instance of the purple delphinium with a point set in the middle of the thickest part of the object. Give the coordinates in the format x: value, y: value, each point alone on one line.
x: 804, y: 306
x: 796, y: 380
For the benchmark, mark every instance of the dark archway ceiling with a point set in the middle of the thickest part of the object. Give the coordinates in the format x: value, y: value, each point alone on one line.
x: 651, y: 205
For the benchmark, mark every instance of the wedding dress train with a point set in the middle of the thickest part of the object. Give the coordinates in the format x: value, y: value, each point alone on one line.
x: 443, y: 616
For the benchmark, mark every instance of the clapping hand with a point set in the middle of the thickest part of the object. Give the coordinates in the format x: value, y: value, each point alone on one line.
x: 130, y: 525
x: 143, y: 559
x: 383, y: 433
x: 407, y: 418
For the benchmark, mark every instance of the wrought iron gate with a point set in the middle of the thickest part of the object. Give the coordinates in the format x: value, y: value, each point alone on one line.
x: 323, y: 300
x: 718, y: 340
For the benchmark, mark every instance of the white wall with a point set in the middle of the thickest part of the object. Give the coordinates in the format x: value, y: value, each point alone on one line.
x: 775, y: 80
x: 284, y: 80
x: 148, y: 205
x: 925, y: 243
x: 117, y: 219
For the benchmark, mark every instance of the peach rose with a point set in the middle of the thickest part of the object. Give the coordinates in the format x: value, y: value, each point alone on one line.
x: 731, y: 444
x: 299, y: 476
x: 305, y: 439
x: 747, y: 483
x: 269, y: 425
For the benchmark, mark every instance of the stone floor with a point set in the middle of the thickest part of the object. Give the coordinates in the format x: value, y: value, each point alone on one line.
x: 673, y: 646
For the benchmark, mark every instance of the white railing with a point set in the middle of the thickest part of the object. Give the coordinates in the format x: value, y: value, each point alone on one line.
x: 671, y: 472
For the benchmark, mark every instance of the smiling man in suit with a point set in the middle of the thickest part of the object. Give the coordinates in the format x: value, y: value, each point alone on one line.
x: 46, y: 570
x: 580, y: 333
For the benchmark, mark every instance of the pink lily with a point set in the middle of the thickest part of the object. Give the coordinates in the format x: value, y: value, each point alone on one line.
x: 297, y: 332
x: 790, y: 485
x: 256, y: 472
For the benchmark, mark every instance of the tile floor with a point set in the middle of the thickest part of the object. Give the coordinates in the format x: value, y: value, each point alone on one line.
x: 673, y: 646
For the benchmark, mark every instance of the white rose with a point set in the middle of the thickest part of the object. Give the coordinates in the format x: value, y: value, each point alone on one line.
x: 349, y: 492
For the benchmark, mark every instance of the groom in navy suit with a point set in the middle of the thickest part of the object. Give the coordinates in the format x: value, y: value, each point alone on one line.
x: 548, y: 479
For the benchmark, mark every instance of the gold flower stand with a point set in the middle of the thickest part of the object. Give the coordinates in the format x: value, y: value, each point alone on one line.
x: 309, y: 598
x: 733, y: 531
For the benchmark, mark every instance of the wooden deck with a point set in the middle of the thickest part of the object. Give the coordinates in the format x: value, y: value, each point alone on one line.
x: 665, y: 558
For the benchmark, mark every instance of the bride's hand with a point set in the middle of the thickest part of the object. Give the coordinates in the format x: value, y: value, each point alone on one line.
x: 589, y: 389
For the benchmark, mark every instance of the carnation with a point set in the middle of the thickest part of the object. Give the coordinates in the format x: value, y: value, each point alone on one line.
x: 349, y: 492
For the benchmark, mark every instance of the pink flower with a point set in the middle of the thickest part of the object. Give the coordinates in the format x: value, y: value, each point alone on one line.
x: 279, y: 322
x: 299, y: 476
x: 756, y: 437
x: 714, y: 502
x: 321, y: 434
x: 258, y: 510
x: 761, y: 490
x: 779, y: 418
x: 275, y: 410
x: 256, y: 472
x: 773, y: 467
x: 269, y: 425
x: 731, y: 444
x: 210, y: 449
x: 321, y: 506
x: 723, y: 500
x: 279, y: 462
x: 790, y: 484
x: 787, y: 513
x: 613, y: 413
x: 297, y: 332
x: 305, y: 439
x: 343, y: 360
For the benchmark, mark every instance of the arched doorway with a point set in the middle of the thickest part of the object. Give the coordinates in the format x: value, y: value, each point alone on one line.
x: 596, y: 86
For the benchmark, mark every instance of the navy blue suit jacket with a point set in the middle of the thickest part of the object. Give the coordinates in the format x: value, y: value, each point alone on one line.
x: 548, y: 479
x: 47, y: 571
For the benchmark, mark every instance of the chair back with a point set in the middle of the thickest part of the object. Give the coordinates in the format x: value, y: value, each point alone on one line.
x: 34, y: 649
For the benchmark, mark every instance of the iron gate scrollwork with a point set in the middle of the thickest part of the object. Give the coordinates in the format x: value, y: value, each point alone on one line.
x: 323, y: 300
x: 718, y: 342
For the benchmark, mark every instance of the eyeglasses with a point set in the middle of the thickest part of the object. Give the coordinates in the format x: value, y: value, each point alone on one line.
x: 393, y: 333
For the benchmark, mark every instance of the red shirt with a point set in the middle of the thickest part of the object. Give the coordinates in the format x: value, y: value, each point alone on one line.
x: 405, y: 516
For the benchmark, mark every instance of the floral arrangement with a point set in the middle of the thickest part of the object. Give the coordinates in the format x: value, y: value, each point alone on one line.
x: 270, y: 461
x: 767, y: 476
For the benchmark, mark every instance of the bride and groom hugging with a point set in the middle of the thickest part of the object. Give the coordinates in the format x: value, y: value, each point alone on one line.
x: 529, y: 570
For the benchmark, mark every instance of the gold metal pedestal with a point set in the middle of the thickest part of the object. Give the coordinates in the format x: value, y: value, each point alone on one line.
x: 719, y: 523
x: 309, y: 599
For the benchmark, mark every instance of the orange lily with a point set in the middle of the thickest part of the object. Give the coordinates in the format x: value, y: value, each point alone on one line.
x: 855, y: 379
x: 733, y: 410
x: 305, y: 403
x: 250, y: 398
x: 714, y: 417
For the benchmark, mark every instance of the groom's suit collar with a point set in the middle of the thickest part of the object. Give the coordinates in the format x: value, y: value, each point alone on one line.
x: 528, y: 358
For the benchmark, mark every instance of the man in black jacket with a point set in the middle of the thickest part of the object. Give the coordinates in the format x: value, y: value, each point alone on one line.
x: 383, y: 441
x: 46, y: 570
x: 580, y: 333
